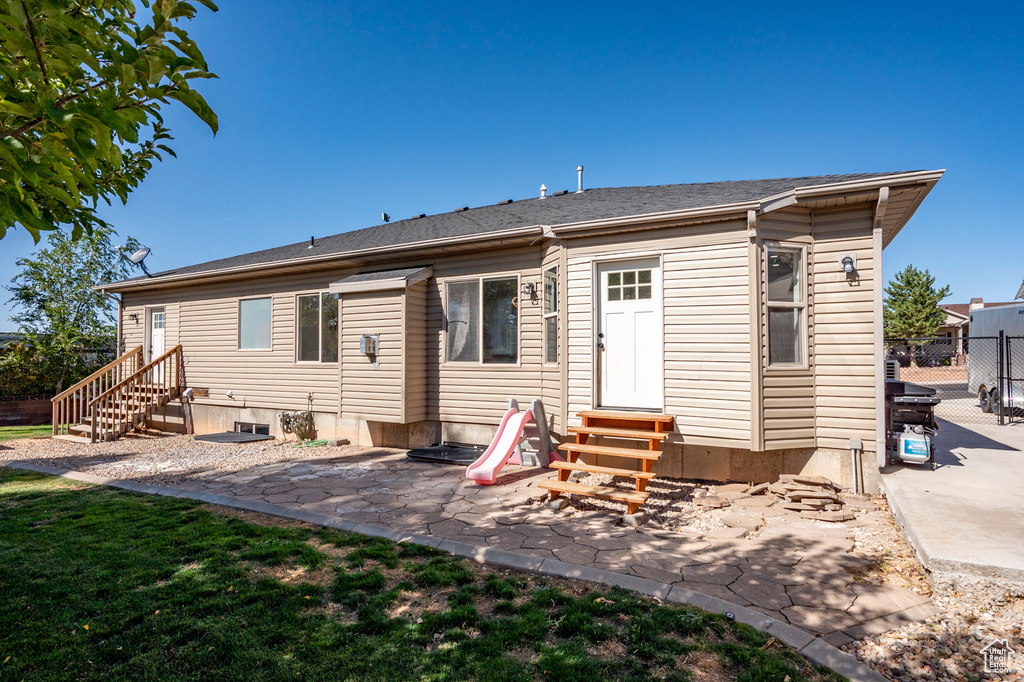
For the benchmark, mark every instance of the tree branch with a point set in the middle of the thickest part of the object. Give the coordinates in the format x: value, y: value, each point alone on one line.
x: 35, y: 43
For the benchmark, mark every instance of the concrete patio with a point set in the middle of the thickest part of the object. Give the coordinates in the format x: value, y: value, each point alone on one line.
x: 965, y: 518
x: 795, y: 572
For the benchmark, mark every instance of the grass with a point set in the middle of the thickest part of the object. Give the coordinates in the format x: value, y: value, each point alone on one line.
x: 15, y: 432
x: 97, y: 583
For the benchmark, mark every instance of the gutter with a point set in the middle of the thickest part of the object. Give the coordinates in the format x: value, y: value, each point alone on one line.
x: 159, y: 281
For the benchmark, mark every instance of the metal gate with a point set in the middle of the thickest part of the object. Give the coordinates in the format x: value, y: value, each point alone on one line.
x: 964, y: 371
x: 1012, y: 379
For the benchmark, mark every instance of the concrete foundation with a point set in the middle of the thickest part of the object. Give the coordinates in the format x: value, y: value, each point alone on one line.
x: 679, y: 461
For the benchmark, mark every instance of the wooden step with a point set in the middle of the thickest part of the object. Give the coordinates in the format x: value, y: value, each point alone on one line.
x: 594, y: 469
x: 631, y: 498
x: 628, y: 416
x: 609, y: 450
x: 75, y: 439
x: 619, y: 433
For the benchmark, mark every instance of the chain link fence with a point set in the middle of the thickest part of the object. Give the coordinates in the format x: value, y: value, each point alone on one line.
x: 962, y: 370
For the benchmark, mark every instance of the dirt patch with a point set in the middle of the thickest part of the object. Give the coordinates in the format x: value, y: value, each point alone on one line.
x: 256, y: 517
x: 704, y: 666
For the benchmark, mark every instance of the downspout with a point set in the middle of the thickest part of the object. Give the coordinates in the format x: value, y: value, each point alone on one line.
x: 876, y: 244
x: 120, y: 314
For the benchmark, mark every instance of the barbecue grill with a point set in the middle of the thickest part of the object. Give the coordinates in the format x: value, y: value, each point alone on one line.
x: 910, y: 425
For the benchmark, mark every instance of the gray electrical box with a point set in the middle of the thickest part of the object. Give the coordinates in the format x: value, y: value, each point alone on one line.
x: 368, y: 344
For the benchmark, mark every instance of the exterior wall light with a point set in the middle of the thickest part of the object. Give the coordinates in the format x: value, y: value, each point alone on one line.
x: 849, y: 262
x: 528, y: 289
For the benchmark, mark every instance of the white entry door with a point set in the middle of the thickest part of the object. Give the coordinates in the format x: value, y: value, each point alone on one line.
x: 629, y: 339
x: 156, y: 340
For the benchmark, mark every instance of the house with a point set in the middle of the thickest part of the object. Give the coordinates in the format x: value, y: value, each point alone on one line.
x: 749, y: 311
x: 958, y: 318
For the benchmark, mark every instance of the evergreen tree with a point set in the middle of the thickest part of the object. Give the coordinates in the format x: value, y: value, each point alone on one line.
x: 911, y: 309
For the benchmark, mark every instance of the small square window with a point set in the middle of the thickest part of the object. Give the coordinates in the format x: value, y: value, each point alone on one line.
x: 644, y: 277
x: 628, y: 293
x: 614, y: 279
x: 614, y: 294
x: 643, y: 291
x: 629, y: 278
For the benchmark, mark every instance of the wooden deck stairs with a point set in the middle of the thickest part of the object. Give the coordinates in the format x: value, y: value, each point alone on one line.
x: 622, y: 428
x: 119, y: 398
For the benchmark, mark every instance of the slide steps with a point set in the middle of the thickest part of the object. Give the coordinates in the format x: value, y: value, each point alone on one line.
x: 628, y: 426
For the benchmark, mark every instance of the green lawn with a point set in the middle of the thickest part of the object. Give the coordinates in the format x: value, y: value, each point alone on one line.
x: 13, y: 432
x: 98, y: 583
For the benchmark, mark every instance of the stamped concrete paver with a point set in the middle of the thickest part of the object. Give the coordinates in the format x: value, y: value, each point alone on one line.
x: 797, y: 573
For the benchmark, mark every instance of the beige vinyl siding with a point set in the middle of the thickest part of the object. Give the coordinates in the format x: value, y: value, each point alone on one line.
x: 134, y: 331
x: 374, y: 393
x: 551, y: 374
x: 707, y: 341
x: 844, y: 374
x: 206, y: 324
x: 416, y: 353
x: 787, y: 395
x: 706, y: 325
x: 476, y: 393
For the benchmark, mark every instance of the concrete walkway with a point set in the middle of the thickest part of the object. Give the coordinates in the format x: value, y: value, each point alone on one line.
x: 794, y: 572
x: 967, y: 517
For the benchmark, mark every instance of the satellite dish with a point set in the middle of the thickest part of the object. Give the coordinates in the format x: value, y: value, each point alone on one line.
x: 1020, y: 293
x: 137, y: 258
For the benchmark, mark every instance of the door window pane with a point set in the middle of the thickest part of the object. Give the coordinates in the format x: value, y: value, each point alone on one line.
x: 254, y: 324
x: 643, y: 291
x: 644, y: 277
x: 463, y: 321
x: 785, y: 274
x: 500, y: 320
x: 309, y: 328
x: 614, y: 294
x: 329, y: 328
x: 784, y: 336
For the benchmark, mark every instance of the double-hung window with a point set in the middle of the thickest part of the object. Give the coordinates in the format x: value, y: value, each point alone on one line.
x: 317, y: 333
x: 483, y: 320
x: 551, y: 315
x: 786, y: 270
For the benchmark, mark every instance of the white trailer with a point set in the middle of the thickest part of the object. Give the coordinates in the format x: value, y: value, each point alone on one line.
x: 983, y: 368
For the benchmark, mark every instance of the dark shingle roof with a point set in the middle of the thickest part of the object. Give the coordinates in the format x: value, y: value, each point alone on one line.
x: 593, y: 204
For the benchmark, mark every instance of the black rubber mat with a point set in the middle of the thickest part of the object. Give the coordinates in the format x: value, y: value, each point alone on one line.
x: 447, y: 454
x: 233, y: 437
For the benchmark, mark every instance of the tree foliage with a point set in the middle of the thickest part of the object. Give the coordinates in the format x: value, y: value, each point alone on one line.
x: 911, y: 308
x: 82, y: 84
x: 69, y: 327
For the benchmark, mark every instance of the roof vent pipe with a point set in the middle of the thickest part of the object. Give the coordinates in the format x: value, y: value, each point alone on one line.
x: 579, y: 179
x: 543, y: 191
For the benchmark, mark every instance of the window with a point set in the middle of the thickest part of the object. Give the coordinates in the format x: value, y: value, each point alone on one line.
x: 551, y: 315
x: 787, y: 307
x: 317, y: 316
x: 483, y: 320
x: 629, y: 285
x: 254, y: 323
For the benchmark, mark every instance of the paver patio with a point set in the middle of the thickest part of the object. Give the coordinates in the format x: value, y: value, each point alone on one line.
x: 796, y: 573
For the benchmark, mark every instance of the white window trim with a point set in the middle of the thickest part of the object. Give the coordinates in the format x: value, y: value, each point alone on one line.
x: 480, y: 347
x: 545, y: 316
x: 320, y: 318
x: 238, y: 325
x: 805, y: 361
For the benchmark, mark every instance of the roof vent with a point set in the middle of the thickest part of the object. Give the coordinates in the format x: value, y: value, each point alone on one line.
x: 579, y: 179
x: 419, y: 215
x: 461, y: 209
x: 560, y: 192
x: 543, y: 191
x: 507, y: 201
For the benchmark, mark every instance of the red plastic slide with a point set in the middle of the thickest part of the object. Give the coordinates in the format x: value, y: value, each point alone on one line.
x: 485, y: 470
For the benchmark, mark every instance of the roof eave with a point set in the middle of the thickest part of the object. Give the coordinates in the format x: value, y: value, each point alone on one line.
x: 170, y: 280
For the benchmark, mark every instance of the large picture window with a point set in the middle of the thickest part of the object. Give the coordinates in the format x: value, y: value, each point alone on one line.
x: 483, y: 320
x: 255, y: 323
x: 317, y: 321
x: 551, y: 315
x: 787, y: 307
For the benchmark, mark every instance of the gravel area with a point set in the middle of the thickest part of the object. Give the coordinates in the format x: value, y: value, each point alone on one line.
x: 161, y: 459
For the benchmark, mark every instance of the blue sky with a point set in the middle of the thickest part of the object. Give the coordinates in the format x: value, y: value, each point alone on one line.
x: 333, y: 112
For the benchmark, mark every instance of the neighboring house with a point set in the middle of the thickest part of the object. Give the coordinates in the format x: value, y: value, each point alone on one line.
x: 958, y: 317
x: 723, y: 304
